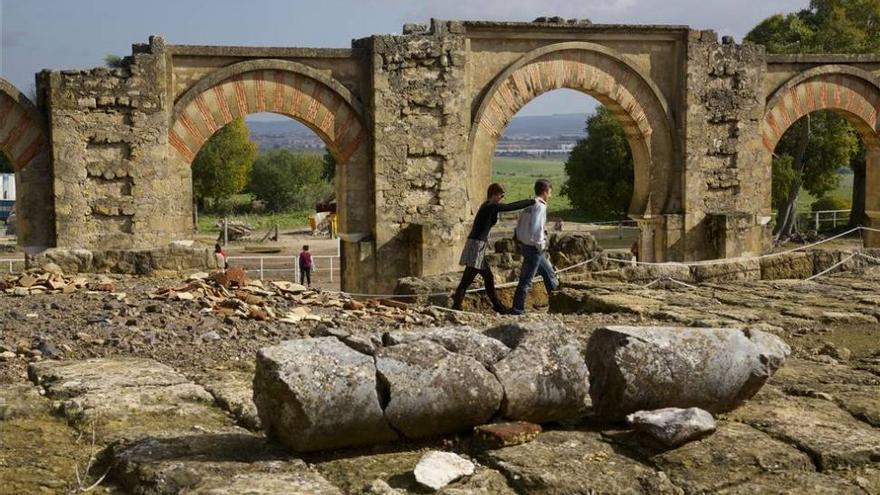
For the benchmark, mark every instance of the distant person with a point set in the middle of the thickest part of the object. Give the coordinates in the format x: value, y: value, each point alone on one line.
x: 532, y: 238
x: 222, y: 258
x: 634, y: 251
x: 473, y: 256
x: 305, y: 266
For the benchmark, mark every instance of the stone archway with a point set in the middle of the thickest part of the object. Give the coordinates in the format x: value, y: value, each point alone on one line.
x: 301, y: 93
x: 24, y: 141
x: 852, y: 93
x: 616, y: 83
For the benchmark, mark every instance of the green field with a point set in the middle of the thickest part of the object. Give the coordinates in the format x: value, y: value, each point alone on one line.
x: 518, y: 176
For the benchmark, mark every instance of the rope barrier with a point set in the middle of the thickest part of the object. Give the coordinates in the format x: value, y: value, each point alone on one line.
x: 646, y: 263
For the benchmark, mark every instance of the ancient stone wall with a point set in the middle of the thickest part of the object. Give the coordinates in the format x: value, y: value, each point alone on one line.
x: 420, y: 123
x: 725, y: 179
x: 113, y: 184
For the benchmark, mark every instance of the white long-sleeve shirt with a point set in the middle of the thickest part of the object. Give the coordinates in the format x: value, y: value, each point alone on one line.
x: 531, y: 223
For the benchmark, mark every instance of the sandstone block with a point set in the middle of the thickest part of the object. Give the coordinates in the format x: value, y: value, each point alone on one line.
x: 646, y: 368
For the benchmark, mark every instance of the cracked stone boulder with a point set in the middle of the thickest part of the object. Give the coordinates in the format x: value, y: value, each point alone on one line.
x: 647, y: 368
x: 317, y: 394
x: 544, y: 375
x: 431, y: 391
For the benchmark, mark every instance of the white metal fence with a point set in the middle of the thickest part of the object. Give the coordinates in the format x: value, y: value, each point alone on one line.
x: 287, y: 267
x: 827, y: 218
x: 12, y: 265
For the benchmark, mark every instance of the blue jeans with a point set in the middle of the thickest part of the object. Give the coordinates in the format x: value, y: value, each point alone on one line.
x: 534, y: 263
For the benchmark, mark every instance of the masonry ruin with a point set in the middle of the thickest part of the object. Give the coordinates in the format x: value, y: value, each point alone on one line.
x: 103, y: 156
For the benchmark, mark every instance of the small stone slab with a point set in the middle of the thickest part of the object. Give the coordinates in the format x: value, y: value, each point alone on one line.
x: 673, y: 426
x: 575, y: 462
x: 832, y: 436
x: 499, y: 435
x: 214, y: 464
x: 437, y: 469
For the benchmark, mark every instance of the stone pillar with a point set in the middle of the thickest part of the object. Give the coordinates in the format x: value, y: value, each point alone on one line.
x: 420, y: 122
x: 115, y: 186
x: 726, y: 172
x: 872, y: 197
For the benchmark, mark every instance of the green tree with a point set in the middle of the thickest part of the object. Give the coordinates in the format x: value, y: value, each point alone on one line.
x: 286, y: 180
x: 5, y: 164
x: 224, y: 163
x: 329, y: 172
x: 826, y: 26
x: 114, y: 61
x: 600, y: 170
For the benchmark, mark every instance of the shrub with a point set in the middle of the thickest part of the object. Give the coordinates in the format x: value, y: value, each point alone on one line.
x: 831, y: 203
x: 285, y: 180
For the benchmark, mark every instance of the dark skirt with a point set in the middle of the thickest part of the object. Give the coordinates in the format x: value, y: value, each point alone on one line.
x: 474, y: 254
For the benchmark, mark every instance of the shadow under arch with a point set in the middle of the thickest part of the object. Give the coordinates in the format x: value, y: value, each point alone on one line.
x: 848, y: 91
x: 24, y: 139
x: 303, y: 94
x: 609, y: 77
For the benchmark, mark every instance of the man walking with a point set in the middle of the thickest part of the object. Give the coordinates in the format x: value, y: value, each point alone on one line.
x: 532, y: 238
x: 305, y: 267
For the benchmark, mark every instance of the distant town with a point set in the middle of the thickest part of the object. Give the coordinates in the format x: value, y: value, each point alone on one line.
x: 545, y: 135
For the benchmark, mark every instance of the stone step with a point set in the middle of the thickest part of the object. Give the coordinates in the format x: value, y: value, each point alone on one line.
x: 128, y: 398
x: 215, y: 464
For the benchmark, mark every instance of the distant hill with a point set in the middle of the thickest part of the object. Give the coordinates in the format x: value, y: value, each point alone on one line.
x: 565, y: 124
x: 561, y: 124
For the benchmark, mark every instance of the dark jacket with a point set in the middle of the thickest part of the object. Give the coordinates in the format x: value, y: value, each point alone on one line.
x: 487, y: 217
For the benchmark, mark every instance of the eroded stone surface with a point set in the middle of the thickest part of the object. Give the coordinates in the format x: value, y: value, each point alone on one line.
x: 128, y: 398
x: 38, y: 451
x: 833, y: 438
x: 734, y: 454
x: 214, y: 464
x: 432, y: 391
x: 646, y: 368
x: 544, y: 376
x: 234, y: 392
x: 575, y: 462
x: 316, y: 394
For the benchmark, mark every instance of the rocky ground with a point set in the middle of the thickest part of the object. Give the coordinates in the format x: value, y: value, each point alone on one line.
x: 144, y: 386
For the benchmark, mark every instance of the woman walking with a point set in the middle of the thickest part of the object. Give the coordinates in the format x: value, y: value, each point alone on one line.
x: 473, y: 257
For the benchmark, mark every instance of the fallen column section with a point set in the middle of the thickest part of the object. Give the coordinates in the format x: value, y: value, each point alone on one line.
x: 320, y: 393
x: 647, y: 368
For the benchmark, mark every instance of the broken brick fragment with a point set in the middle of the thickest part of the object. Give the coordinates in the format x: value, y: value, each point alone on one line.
x: 499, y: 435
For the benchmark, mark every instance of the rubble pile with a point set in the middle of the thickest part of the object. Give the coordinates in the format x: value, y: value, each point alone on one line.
x: 231, y: 293
x: 50, y: 279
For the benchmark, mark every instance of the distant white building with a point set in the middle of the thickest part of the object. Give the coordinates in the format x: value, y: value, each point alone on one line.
x: 7, y: 187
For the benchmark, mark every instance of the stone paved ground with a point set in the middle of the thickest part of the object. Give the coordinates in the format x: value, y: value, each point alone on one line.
x: 140, y: 396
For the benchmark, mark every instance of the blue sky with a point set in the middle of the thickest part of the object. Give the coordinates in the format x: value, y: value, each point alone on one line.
x: 72, y: 34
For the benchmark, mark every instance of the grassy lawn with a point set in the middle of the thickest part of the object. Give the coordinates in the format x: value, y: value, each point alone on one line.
x: 844, y: 191
x: 261, y: 222
x: 518, y: 176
